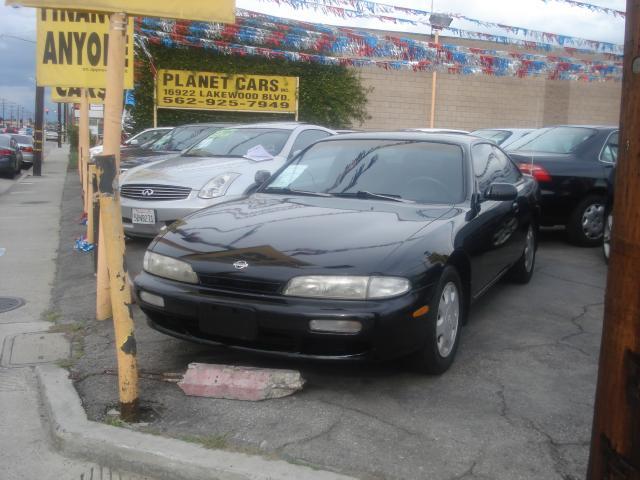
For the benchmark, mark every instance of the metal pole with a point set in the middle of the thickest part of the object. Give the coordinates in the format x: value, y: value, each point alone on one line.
x: 59, y: 126
x: 37, y: 132
x: 155, y: 101
x: 434, y: 83
x: 108, y: 166
x: 615, y: 438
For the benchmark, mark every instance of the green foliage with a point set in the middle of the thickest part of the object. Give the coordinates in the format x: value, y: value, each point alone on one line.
x: 73, y: 137
x: 332, y: 96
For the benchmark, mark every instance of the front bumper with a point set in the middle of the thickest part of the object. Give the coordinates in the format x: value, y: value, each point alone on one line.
x: 282, y: 323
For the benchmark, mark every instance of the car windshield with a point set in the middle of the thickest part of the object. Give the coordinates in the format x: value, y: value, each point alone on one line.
x: 148, y: 136
x: 179, y: 138
x: 23, y: 139
x: 418, y: 171
x: 555, y: 140
x: 497, y: 136
x: 253, y: 143
x: 5, y: 141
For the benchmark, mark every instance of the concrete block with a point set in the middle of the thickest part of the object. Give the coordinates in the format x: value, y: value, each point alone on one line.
x: 239, y: 383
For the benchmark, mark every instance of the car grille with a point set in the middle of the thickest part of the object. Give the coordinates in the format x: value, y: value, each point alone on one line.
x: 154, y: 192
x: 239, y: 285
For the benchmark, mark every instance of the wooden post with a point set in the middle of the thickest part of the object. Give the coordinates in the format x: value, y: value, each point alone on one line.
x: 103, y: 297
x: 91, y: 203
x: 434, y: 83
x: 615, y: 438
x: 38, y: 134
x: 108, y: 166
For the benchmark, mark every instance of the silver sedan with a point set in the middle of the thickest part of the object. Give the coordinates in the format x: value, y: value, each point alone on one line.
x: 223, y: 166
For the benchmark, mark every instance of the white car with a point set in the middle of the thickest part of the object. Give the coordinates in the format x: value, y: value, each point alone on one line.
x: 222, y: 166
x: 51, y: 135
x: 140, y: 138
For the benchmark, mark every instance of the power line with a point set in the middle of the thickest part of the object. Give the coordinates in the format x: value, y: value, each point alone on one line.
x: 4, y: 35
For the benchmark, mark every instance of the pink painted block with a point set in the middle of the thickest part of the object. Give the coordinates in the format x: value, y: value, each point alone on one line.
x: 239, y: 383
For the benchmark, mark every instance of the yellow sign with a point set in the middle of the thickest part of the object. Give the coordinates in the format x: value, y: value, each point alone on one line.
x: 224, y: 91
x: 72, y: 95
x: 203, y: 10
x: 71, y: 49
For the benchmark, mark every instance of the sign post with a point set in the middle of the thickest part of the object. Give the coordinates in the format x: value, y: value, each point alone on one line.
x: 83, y: 144
x: 38, y: 133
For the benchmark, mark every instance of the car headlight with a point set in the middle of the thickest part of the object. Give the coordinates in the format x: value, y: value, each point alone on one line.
x: 168, y: 267
x: 217, y: 186
x: 347, y: 287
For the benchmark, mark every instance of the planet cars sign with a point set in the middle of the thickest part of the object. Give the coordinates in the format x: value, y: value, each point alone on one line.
x: 224, y: 91
x: 72, y: 49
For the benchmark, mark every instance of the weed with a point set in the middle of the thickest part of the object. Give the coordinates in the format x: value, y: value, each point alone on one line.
x: 212, y: 442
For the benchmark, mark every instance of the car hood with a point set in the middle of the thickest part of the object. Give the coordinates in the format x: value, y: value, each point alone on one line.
x: 283, y: 236
x: 191, y: 172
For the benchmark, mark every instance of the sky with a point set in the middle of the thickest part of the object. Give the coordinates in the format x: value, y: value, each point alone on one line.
x: 17, y: 57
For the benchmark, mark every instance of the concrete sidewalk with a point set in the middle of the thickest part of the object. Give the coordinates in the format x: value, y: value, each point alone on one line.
x: 30, y: 219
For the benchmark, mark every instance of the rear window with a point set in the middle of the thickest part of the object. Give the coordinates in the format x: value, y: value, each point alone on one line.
x: 557, y: 140
x: 23, y: 139
x: 5, y: 141
x: 497, y: 136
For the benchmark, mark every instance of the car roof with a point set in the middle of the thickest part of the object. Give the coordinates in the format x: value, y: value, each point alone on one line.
x: 416, y: 136
x: 283, y: 125
x: 207, y: 124
x: 506, y: 129
x: 595, y: 127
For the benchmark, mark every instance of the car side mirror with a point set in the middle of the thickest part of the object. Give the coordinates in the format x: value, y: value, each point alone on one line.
x: 501, y: 192
x: 262, y: 176
x: 133, y: 141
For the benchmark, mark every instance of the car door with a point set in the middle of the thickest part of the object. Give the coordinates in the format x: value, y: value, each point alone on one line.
x: 499, y: 226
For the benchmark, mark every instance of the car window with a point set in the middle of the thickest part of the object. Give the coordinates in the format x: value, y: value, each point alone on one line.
x: 420, y: 171
x: 179, y: 138
x: 256, y: 143
x: 150, y: 136
x: 490, y: 165
x: 558, y: 140
x: 498, y: 136
x: 23, y: 139
x: 306, y: 138
x: 5, y: 141
x: 610, y: 151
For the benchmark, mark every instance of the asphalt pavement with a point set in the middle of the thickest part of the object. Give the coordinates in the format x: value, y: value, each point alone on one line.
x: 517, y: 403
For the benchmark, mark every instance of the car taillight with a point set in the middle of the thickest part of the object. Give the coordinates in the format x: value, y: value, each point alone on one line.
x: 536, y: 171
x: 4, y: 151
x: 26, y: 149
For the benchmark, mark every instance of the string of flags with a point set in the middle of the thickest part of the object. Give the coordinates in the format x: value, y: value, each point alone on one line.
x: 592, y: 7
x: 384, y: 13
x: 274, y: 37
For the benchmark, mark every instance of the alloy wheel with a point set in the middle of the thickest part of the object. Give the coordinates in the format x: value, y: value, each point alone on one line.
x: 593, y: 221
x: 448, y: 319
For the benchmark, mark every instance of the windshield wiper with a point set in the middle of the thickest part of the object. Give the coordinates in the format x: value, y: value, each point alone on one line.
x: 296, y: 192
x: 371, y: 195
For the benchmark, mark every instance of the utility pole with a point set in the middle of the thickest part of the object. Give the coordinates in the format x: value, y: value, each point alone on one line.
x: 38, y: 133
x: 59, y: 125
x: 615, y: 438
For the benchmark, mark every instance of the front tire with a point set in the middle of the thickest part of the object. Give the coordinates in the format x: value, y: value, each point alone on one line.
x: 522, y: 270
x: 445, y: 319
x: 586, y: 224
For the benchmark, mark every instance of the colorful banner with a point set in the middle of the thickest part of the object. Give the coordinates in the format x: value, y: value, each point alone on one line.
x: 225, y: 91
x: 384, y: 13
x: 204, y: 10
x: 71, y: 49
x: 592, y: 7
x: 73, y: 95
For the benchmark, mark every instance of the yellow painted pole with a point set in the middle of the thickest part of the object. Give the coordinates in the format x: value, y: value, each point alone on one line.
x: 434, y: 82
x: 103, y: 296
x: 90, y: 204
x: 108, y: 166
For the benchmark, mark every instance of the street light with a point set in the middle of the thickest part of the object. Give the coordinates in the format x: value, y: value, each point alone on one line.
x: 438, y: 21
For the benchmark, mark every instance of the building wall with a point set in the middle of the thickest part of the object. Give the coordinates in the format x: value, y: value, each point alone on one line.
x: 402, y: 99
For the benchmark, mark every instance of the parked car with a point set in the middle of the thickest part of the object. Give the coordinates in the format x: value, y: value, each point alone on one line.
x: 9, y: 163
x: 148, y: 135
x: 571, y: 164
x: 365, y: 246
x: 24, y: 149
x: 502, y: 136
x: 436, y: 130
x: 221, y: 166
x: 170, y: 144
x: 50, y: 135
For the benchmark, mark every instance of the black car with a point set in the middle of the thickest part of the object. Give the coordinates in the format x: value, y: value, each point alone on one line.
x: 169, y: 144
x: 9, y: 160
x: 608, y: 216
x: 368, y: 245
x: 571, y: 164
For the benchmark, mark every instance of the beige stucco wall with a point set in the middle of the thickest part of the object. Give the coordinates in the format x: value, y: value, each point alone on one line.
x: 401, y: 99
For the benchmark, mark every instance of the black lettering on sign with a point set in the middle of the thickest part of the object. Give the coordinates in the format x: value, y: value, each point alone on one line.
x: 56, y: 15
x: 191, y: 81
x: 274, y: 85
x: 49, y: 54
x: 94, y: 49
x: 263, y: 84
x: 80, y: 38
x: 167, y: 77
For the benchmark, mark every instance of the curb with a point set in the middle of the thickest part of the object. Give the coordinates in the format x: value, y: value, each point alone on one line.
x: 146, y: 454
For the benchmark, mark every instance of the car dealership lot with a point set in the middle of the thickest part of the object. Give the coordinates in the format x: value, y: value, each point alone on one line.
x: 517, y: 403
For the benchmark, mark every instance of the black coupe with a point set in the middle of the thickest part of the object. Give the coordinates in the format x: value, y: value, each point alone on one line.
x: 369, y: 245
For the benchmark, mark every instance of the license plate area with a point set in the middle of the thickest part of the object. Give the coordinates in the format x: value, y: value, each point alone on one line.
x: 144, y: 216
x: 230, y: 322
